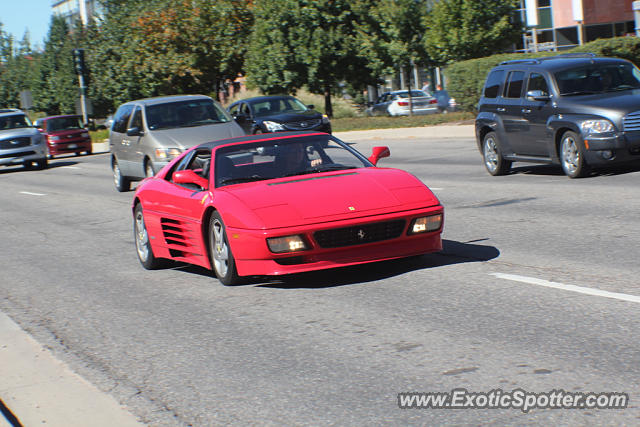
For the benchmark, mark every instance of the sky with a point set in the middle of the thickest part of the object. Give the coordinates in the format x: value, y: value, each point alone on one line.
x: 17, y: 16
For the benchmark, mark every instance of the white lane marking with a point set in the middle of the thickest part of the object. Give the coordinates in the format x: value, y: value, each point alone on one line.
x: 32, y: 194
x: 436, y: 188
x: 571, y: 288
x: 70, y: 167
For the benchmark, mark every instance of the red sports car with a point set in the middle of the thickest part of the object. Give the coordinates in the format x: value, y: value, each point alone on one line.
x: 283, y: 203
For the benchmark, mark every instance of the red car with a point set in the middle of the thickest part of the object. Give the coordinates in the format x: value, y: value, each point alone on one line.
x: 283, y: 203
x: 64, y: 135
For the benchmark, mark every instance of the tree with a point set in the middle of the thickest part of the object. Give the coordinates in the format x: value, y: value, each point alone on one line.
x: 465, y: 29
x: 57, y: 88
x: 18, y: 68
x: 306, y: 42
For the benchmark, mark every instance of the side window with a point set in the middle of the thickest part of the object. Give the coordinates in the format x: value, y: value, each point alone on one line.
x: 121, y: 119
x: 198, y: 161
x: 514, y: 84
x: 538, y: 82
x: 492, y: 86
x: 234, y: 109
x: 136, y: 121
x: 244, y: 109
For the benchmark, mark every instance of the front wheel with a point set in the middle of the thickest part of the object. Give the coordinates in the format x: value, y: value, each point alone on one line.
x: 42, y: 163
x: 143, y: 245
x: 571, y: 156
x: 222, y: 261
x: 122, y: 183
x: 493, y: 160
x: 148, y: 169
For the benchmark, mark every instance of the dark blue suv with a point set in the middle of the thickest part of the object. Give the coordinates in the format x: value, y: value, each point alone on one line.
x: 574, y: 110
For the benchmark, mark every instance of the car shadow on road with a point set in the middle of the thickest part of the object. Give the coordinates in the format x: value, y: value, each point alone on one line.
x: 555, y: 170
x: 452, y: 253
x: 51, y: 165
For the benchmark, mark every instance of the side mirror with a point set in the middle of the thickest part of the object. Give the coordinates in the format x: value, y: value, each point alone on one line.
x: 378, y: 153
x: 134, y: 131
x: 188, y: 176
x: 538, y: 95
x: 311, y: 106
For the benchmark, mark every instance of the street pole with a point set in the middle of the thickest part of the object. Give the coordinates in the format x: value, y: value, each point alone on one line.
x: 83, y: 99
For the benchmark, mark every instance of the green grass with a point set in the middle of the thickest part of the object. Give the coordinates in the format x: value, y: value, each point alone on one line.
x: 99, y: 135
x: 367, y: 123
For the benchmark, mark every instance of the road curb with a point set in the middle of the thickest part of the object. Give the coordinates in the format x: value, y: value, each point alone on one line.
x: 440, y: 132
x: 39, y: 389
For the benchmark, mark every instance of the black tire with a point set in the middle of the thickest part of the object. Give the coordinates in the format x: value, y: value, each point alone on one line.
x: 222, y: 262
x: 148, y: 169
x: 42, y: 163
x: 572, y: 156
x: 493, y: 161
x: 27, y: 164
x: 143, y: 244
x: 122, y: 183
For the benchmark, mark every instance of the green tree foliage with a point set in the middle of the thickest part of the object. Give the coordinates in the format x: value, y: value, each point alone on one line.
x: 306, y: 42
x: 57, y: 87
x: 465, y: 29
x: 18, y: 68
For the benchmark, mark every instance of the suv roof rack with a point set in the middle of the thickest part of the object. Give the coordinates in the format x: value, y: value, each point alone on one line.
x: 576, y: 55
x: 521, y: 61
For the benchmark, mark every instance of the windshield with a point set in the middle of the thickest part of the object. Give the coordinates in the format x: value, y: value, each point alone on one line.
x: 270, y: 159
x: 271, y: 106
x: 185, y: 114
x: 63, y: 123
x: 598, y: 78
x: 14, y: 122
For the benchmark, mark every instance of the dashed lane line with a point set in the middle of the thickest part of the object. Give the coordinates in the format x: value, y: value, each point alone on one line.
x: 570, y: 288
x: 29, y: 193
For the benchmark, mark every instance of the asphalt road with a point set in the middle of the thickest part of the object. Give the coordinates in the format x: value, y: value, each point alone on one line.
x: 336, y: 347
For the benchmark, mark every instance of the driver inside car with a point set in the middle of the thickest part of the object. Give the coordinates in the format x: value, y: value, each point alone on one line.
x: 293, y: 158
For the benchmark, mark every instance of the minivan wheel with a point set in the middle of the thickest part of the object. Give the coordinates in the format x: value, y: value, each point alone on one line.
x: 572, y: 157
x: 493, y: 160
x: 122, y: 183
x: 148, y: 169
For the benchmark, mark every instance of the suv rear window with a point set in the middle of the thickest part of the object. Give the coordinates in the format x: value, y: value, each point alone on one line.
x: 492, y: 86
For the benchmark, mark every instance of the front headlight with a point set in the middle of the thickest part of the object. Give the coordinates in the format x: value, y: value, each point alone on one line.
x: 325, y: 119
x: 85, y: 134
x: 293, y: 243
x: 597, y: 126
x: 425, y: 224
x: 273, y: 126
x: 167, y: 153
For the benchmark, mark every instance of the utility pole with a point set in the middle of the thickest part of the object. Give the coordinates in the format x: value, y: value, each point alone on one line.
x: 78, y: 62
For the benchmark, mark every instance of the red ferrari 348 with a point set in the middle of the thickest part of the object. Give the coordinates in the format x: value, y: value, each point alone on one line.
x: 273, y: 204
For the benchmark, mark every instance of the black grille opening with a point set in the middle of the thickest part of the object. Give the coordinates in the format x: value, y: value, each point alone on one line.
x: 8, y: 144
x: 359, y: 234
x: 22, y: 154
x: 290, y: 260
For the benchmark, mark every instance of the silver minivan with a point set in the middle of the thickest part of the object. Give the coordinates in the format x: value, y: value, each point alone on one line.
x: 148, y: 133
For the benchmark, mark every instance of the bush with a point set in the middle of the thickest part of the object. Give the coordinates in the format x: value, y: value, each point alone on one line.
x: 466, y: 78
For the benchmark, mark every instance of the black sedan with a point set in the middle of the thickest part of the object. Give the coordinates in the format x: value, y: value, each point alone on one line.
x: 264, y: 114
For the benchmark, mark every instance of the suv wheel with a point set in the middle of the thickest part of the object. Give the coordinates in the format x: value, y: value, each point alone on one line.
x: 122, y: 183
x: 493, y: 160
x: 571, y: 156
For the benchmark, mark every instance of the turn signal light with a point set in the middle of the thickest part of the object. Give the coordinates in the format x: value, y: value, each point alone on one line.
x: 284, y: 244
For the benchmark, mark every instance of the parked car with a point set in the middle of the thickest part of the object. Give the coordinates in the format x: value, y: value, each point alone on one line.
x: 148, y: 133
x: 280, y: 204
x: 65, y: 135
x: 397, y: 104
x: 574, y: 110
x: 276, y: 114
x: 20, y: 141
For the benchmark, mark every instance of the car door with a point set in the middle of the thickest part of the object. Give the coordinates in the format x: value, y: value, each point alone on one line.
x: 179, y: 210
x: 510, y: 110
x: 136, y: 144
x: 380, y: 107
x: 535, y: 140
x: 118, y: 140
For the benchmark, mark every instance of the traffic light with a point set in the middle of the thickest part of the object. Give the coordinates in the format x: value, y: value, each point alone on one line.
x: 78, y: 61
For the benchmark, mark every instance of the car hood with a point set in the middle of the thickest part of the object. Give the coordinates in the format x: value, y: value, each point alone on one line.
x: 613, y: 105
x: 187, y: 137
x: 19, y: 132
x: 333, y: 196
x: 292, y: 117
